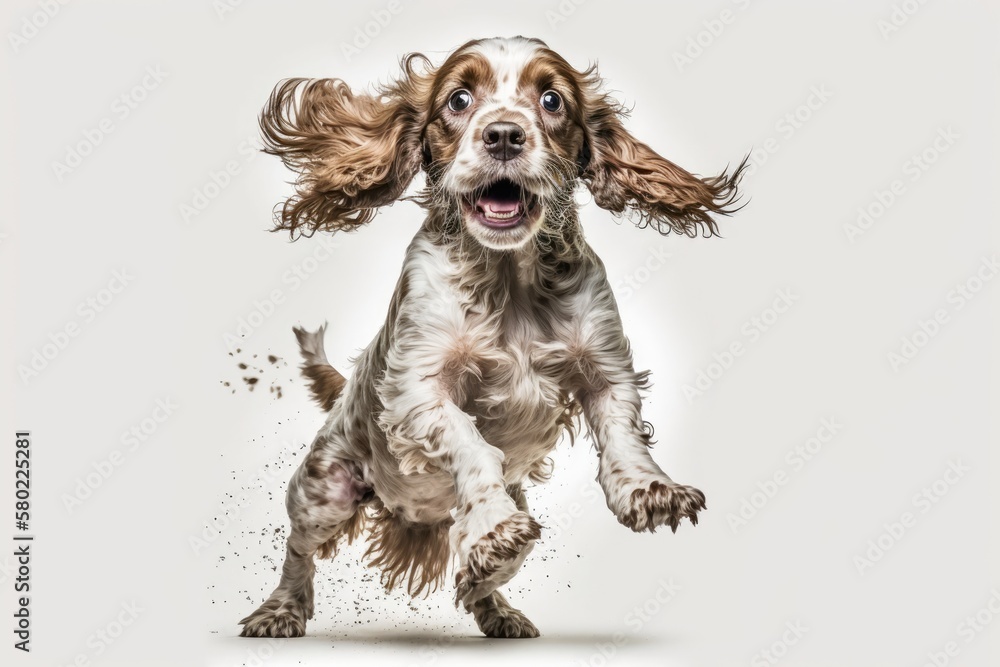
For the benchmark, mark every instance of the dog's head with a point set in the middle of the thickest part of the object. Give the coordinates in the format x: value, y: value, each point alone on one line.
x: 504, y: 129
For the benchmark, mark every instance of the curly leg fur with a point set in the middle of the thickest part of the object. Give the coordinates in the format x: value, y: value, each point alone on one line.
x: 641, y: 496
x: 493, y: 613
x: 495, y: 558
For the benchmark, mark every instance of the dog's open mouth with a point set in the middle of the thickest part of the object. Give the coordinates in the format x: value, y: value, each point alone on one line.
x: 501, y: 205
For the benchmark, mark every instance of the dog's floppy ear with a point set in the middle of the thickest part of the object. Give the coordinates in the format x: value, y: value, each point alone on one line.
x: 626, y: 175
x: 354, y: 152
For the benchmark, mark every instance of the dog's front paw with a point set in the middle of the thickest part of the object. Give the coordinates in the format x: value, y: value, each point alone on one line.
x: 494, y: 558
x: 660, y: 504
x: 275, y: 618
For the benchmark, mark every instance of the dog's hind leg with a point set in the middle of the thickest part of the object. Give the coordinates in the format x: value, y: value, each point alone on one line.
x: 494, y: 615
x: 323, y: 501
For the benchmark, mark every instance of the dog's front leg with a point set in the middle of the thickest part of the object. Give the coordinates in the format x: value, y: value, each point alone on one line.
x: 491, y: 536
x: 638, y: 492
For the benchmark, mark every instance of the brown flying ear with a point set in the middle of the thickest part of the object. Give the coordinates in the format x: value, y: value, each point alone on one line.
x: 626, y: 175
x: 353, y: 152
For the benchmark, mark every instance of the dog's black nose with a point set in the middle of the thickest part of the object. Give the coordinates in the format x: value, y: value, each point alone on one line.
x: 503, y: 140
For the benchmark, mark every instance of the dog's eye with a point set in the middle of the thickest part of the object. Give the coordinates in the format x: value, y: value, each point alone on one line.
x: 460, y: 100
x: 551, y: 101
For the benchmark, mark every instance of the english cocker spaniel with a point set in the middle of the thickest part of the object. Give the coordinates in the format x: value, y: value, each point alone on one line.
x: 502, y: 329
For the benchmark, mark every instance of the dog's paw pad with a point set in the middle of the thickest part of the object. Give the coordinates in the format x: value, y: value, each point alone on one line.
x: 274, y: 620
x: 662, y: 504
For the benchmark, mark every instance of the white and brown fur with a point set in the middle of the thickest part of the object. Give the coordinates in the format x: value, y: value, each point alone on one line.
x: 494, y: 341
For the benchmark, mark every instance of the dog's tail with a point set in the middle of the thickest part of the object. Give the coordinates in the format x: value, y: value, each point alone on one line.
x: 325, y: 381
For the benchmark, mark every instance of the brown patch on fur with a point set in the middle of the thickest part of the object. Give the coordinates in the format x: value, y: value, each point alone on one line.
x: 417, y: 554
x: 463, y: 69
x: 325, y: 382
x: 564, y: 131
x: 315, y: 467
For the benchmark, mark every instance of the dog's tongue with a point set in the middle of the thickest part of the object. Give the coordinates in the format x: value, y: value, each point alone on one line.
x: 490, y: 203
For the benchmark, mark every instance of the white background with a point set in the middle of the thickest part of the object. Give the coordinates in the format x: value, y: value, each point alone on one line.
x: 888, y: 95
